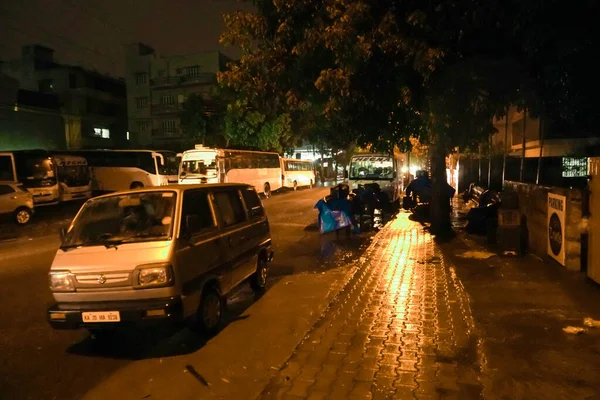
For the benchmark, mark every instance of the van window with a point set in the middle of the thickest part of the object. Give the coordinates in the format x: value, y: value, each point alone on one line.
x: 196, y: 205
x: 5, y: 189
x: 230, y: 207
x: 253, y: 203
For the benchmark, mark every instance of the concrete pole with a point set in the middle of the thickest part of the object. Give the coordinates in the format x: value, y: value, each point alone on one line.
x: 539, y: 166
x: 522, y: 174
x: 505, y: 144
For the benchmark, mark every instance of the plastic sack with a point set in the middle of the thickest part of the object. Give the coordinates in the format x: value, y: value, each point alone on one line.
x: 329, y: 220
x: 333, y: 221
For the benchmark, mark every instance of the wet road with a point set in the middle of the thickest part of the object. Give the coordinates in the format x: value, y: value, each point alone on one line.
x: 39, y: 363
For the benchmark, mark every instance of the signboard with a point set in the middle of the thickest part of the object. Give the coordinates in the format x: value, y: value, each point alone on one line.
x: 574, y: 167
x: 556, y: 227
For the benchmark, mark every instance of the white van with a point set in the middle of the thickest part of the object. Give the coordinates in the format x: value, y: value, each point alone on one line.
x: 159, y: 255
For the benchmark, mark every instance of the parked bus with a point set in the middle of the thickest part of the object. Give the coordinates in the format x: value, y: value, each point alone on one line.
x: 297, y: 173
x: 383, y: 169
x: 35, y: 170
x: 209, y: 165
x: 73, y: 177
x: 114, y: 170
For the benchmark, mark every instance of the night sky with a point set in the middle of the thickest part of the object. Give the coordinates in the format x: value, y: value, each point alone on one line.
x: 91, y: 33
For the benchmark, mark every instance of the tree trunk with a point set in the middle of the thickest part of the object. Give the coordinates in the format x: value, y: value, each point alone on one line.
x: 440, y: 203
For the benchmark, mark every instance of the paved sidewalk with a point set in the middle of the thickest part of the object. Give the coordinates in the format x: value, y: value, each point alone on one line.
x: 400, y: 329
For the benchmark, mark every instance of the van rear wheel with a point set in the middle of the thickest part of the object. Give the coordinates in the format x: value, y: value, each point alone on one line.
x: 258, y: 281
x: 295, y: 185
x: 267, y: 190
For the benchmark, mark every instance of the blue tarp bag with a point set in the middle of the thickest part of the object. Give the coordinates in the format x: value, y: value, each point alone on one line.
x: 329, y: 220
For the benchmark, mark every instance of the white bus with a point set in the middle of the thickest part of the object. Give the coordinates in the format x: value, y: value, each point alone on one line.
x: 73, y: 177
x: 297, y: 173
x: 383, y: 169
x: 210, y: 165
x: 115, y: 170
x: 35, y: 169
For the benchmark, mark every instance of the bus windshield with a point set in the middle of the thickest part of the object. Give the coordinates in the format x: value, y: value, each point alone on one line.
x: 204, y: 164
x: 74, y: 175
x: 372, y: 167
x: 34, y: 171
x: 170, y: 165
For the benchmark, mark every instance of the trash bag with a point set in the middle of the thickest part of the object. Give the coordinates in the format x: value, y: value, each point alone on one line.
x: 329, y: 220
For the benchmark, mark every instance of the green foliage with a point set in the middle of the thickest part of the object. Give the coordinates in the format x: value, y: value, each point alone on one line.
x: 194, y: 119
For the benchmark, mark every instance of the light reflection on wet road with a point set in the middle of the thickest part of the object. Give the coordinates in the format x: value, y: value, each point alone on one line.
x: 400, y: 329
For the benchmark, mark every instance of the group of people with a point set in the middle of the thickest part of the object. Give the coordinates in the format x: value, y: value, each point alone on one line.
x: 420, y: 189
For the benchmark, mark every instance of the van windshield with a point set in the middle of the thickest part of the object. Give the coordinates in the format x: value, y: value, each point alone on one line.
x: 371, y: 168
x: 123, y: 218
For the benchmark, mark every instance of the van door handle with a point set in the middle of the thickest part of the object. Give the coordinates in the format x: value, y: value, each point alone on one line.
x: 13, y: 198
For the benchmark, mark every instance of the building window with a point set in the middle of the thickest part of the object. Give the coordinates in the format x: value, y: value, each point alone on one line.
x: 141, y: 103
x: 167, y: 100
x: 193, y: 72
x: 102, y: 133
x: 141, y: 78
x: 169, y: 126
x: 142, y: 126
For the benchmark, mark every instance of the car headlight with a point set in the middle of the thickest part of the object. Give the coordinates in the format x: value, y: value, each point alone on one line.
x: 61, y: 281
x: 153, y: 275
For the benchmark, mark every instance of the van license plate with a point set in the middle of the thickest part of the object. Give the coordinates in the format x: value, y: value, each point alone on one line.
x: 104, y: 316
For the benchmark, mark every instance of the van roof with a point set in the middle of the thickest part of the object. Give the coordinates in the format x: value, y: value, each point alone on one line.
x: 179, y: 188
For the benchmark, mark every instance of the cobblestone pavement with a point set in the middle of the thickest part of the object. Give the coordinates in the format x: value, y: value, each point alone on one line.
x: 400, y: 329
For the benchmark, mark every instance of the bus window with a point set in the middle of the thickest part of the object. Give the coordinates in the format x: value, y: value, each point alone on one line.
x: 6, y: 168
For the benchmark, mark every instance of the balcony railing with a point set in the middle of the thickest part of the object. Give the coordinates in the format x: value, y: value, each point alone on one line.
x: 166, y: 108
x: 165, y: 81
x: 199, y: 79
x: 160, y: 133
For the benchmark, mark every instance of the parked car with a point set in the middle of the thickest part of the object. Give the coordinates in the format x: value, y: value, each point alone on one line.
x: 16, y: 201
x: 161, y: 254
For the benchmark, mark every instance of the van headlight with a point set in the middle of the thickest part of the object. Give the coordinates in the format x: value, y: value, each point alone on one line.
x: 153, y: 275
x: 61, y: 281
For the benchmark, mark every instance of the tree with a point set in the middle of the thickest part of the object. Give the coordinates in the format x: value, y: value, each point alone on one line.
x: 197, y: 125
x: 382, y: 72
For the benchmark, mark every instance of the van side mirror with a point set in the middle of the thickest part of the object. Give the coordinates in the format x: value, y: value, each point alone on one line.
x: 63, y: 233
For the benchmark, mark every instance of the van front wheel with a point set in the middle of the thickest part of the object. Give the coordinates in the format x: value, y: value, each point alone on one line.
x: 210, y: 312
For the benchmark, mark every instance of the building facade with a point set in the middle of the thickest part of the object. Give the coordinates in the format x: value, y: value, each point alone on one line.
x: 93, y: 105
x: 29, y: 119
x: 157, y: 87
x: 553, y: 139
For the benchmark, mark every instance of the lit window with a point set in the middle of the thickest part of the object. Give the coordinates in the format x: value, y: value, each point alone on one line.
x: 127, y: 135
x: 168, y: 100
x: 101, y: 132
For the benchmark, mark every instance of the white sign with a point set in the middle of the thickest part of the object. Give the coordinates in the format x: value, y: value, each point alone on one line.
x: 557, y: 227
